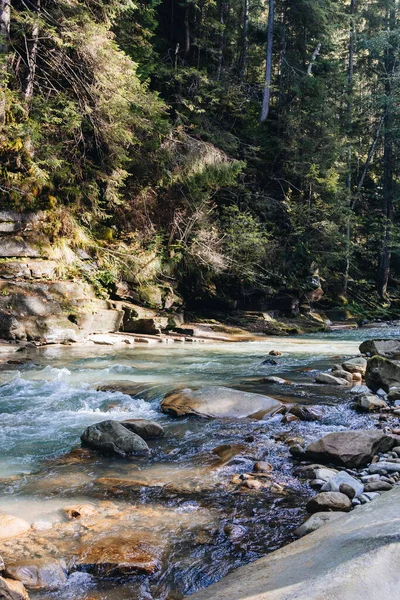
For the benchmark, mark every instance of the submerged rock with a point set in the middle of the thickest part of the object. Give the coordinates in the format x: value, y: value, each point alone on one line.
x: 382, y: 374
x: 11, y: 526
x: 110, y: 437
x: 219, y: 402
x: 349, y: 448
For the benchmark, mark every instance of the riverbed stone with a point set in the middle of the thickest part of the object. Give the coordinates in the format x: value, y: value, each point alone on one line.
x: 39, y: 574
x: 316, y: 521
x: 388, y: 348
x: 354, y: 448
x: 219, y: 402
x: 110, y: 437
x: 370, y: 403
x: 355, y: 365
x: 306, y: 413
x: 357, y: 556
x: 342, y: 374
x: 262, y: 466
x: 146, y: 429
x: 10, y: 589
x: 334, y: 483
x: 126, y: 554
x: 381, y: 468
x: 11, y: 526
x: 329, y: 501
x: 378, y: 486
x: 329, y: 379
x: 382, y: 373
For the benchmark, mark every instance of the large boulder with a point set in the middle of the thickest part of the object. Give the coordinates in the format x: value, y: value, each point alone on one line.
x: 389, y: 348
x: 219, y: 402
x: 349, y: 448
x: 110, y: 437
x: 382, y: 373
x: 356, y: 556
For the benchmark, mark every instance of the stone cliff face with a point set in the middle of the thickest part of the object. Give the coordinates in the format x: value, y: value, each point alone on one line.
x: 37, y: 305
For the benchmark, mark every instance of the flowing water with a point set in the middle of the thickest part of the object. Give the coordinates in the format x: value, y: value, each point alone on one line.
x: 180, y: 498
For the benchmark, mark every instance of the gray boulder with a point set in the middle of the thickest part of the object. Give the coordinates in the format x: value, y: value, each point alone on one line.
x: 110, y: 437
x: 355, y: 365
x: 333, y: 484
x: 349, y: 448
x: 382, y: 374
x: 389, y: 348
x: 330, y: 379
x: 370, y: 403
x: 219, y: 402
x: 329, y: 501
x: 144, y: 428
x: 316, y: 521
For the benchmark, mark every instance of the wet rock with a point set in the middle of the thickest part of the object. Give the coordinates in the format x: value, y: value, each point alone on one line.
x: 334, y: 483
x: 126, y: 554
x: 269, y: 361
x: 289, y: 418
x: 355, y: 365
x: 262, y: 467
x: 219, y: 402
x: 360, y: 389
x: 274, y: 379
x: 275, y: 353
x: 349, y: 448
x: 378, y: 486
x: 297, y: 451
x: 389, y: 348
x: 40, y: 574
x: 329, y: 379
x: 341, y: 374
x: 80, y: 510
x: 11, y: 526
x: 144, y: 428
x: 382, y: 373
x: 316, y: 521
x: 12, y: 590
x: 329, y: 501
x: 235, y: 532
x: 306, y: 413
x: 370, y: 403
x: 226, y: 452
x: 110, y: 437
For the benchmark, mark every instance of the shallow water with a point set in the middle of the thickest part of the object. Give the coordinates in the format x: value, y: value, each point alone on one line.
x: 182, y: 493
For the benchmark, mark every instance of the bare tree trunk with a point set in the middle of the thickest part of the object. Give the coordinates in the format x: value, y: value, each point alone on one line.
x: 187, y: 32
x: 5, y: 20
x: 388, y: 165
x: 349, y: 153
x: 221, y: 39
x: 245, y: 42
x: 268, y: 65
x: 313, y: 58
x: 32, y: 55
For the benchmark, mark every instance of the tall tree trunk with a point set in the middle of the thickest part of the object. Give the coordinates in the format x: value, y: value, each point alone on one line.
x: 221, y: 38
x: 187, y: 32
x: 388, y: 163
x: 32, y: 54
x: 268, y: 63
x: 5, y: 19
x: 245, y: 41
x: 349, y: 128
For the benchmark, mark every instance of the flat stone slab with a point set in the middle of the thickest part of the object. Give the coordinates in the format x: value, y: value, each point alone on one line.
x: 356, y: 556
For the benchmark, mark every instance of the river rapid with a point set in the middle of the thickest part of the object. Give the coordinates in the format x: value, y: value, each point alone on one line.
x: 184, y: 498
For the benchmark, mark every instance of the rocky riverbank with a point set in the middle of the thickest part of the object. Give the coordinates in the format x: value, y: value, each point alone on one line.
x: 221, y: 471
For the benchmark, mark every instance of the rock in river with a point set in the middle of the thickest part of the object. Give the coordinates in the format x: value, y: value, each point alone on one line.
x: 12, y: 590
x: 349, y: 448
x: 110, y: 437
x: 219, y: 402
x: 144, y: 428
x: 11, y: 526
x: 355, y: 365
x: 382, y: 374
x: 389, y: 348
x: 38, y: 573
x: 327, y: 501
x: 330, y: 379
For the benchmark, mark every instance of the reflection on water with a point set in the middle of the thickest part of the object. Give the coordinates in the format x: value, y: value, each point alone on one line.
x: 182, y: 491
